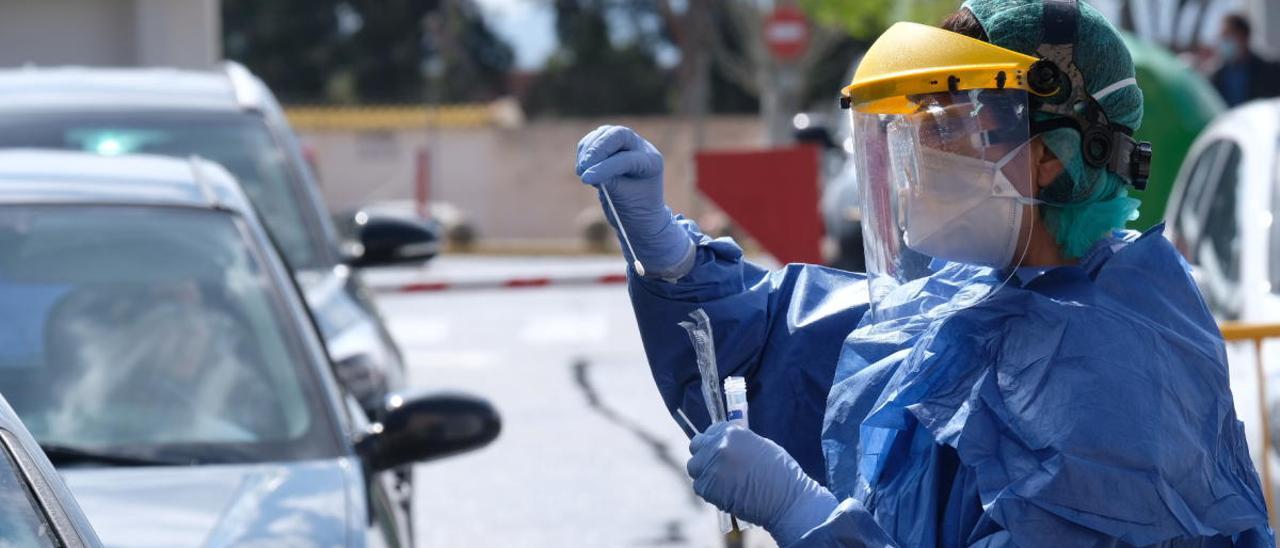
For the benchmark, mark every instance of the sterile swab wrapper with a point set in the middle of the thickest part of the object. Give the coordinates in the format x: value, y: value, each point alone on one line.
x: 704, y: 349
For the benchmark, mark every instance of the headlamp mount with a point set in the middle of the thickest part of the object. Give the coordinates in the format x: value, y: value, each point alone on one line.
x: 1059, y: 88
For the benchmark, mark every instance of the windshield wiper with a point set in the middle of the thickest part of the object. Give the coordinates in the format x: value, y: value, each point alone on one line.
x: 66, y: 454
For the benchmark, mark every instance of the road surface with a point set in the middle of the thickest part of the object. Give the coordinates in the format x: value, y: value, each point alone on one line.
x: 588, y: 455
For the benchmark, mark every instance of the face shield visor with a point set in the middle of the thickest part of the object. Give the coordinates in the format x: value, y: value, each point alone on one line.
x: 946, y: 181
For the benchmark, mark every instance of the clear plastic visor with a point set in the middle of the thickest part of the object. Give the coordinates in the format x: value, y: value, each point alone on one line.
x: 946, y: 186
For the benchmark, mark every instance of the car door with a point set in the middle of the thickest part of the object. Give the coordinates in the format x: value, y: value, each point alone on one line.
x: 389, y: 522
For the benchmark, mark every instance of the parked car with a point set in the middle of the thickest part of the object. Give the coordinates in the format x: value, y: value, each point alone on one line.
x: 1221, y: 216
x: 157, y: 347
x: 38, y: 509
x: 230, y: 117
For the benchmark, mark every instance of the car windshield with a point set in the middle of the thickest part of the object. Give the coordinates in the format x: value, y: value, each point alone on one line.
x: 240, y: 142
x: 151, y: 333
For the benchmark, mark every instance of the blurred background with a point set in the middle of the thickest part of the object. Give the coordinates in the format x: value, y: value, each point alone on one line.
x: 460, y: 118
x: 462, y: 106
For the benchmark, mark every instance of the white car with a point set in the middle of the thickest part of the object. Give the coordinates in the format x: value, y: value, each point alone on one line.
x: 1221, y: 216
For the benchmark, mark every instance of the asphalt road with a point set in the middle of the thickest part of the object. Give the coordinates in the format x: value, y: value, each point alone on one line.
x: 588, y: 455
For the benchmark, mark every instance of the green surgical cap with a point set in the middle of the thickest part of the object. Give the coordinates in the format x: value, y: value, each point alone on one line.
x: 1091, y: 202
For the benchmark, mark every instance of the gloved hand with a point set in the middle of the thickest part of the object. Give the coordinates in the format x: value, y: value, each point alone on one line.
x: 618, y: 161
x: 755, y: 479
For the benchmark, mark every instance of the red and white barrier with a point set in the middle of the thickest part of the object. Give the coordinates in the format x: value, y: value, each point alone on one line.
x: 428, y: 286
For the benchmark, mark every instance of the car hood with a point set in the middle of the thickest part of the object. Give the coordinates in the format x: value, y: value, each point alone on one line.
x: 276, y: 504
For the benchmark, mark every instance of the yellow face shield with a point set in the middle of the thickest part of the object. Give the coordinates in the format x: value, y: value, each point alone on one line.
x: 941, y: 124
x: 911, y: 60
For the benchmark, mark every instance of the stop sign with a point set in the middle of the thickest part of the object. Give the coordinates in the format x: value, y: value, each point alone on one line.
x: 786, y: 31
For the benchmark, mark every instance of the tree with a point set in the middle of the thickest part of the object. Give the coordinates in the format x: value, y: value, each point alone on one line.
x: 866, y: 19
x: 396, y: 50
x: 387, y: 54
x: 590, y: 75
x: 722, y: 42
x: 466, y: 60
x: 291, y: 44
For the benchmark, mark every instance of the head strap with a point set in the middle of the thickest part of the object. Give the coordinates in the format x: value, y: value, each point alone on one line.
x: 1060, y: 22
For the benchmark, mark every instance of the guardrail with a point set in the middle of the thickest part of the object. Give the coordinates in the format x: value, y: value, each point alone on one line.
x: 1257, y: 333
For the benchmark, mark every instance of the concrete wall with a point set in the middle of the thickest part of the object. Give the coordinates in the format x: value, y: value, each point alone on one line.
x: 514, y: 184
x: 178, y: 33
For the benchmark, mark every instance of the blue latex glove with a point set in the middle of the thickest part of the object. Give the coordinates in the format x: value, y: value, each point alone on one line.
x: 617, y: 161
x: 753, y: 478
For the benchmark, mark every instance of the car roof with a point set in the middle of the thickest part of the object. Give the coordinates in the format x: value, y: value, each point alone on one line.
x: 32, y: 88
x: 1250, y: 119
x: 32, y: 176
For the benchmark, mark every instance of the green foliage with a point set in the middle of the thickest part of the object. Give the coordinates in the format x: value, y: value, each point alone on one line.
x: 386, y: 55
x: 862, y: 19
x: 592, y: 76
x: 477, y: 68
x: 866, y: 19
x: 300, y: 50
x: 291, y: 44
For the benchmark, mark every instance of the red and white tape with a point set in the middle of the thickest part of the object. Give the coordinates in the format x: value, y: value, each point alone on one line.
x: 428, y: 286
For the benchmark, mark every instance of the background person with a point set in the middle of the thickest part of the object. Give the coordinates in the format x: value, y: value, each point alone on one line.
x: 1243, y: 75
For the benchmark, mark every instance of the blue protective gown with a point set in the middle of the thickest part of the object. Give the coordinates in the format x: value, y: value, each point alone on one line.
x: 1087, y: 407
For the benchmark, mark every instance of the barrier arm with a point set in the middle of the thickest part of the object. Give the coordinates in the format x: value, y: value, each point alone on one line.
x: 1256, y: 333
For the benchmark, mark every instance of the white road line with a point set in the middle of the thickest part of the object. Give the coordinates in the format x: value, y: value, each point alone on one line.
x: 564, y: 328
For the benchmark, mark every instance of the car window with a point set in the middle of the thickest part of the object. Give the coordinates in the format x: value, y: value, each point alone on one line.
x: 155, y: 332
x: 1189, y: 221
x: 1217, y: 251
x: 240, y: 142
x: 24, y: 522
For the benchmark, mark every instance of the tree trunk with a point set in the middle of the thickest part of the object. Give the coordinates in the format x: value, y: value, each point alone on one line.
x: 695, y: 68
x: 780, y: 89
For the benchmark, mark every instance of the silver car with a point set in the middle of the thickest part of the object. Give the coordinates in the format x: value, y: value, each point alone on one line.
x: 157, y: 348
x: 230, y: 117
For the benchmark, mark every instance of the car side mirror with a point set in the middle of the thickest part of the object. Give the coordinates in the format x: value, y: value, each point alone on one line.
x: 423, y: 428
x: 386, y: 240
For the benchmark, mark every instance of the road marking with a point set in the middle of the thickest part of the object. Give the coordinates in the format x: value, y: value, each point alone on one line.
x: 417, y: 331
x: 457, y: 359
x: 564, y: 328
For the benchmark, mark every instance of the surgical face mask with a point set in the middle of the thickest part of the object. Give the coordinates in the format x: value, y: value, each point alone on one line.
x: 964, y: 209
x: 1228, y: 49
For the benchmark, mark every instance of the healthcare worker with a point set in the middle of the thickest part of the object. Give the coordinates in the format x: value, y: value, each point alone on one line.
x: 1013, y: 369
